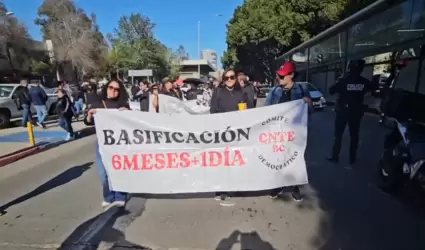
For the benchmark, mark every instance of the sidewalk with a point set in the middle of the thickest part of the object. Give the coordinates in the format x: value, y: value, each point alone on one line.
x: 15, y: 141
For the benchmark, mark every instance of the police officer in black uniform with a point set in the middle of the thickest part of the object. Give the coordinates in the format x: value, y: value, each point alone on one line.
x: 349, y: 108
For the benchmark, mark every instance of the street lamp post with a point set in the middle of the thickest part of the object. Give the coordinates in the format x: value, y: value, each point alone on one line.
x: 199, y: 45
x: 199, y: 49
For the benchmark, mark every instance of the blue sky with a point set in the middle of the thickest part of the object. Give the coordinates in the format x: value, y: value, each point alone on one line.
x: 176, y: 20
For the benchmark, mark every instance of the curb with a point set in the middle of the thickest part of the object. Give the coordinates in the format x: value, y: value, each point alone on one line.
x: 32, y: 150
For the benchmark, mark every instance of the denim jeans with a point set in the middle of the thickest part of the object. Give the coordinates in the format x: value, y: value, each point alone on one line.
x: 66, y: 124
x: 41, y: 113
x: 108, y: 194
x: 26, y: 114
x: 78, y: 105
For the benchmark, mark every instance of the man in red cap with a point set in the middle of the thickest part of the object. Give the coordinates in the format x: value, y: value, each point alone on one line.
x: 285, y: 91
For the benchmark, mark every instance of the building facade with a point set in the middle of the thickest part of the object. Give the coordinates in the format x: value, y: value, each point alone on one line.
x: 195, y: 68
x: 211, y: 56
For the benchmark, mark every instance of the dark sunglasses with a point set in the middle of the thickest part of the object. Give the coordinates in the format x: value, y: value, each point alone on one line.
x: 233, y: 77
x: 114, y: 89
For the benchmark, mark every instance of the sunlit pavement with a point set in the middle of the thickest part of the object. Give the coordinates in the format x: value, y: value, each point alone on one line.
x: 60, y: 196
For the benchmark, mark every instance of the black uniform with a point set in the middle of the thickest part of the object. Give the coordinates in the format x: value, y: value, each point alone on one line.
x: 226, y: 100
x: 351, y: 89
x: 143, y: 98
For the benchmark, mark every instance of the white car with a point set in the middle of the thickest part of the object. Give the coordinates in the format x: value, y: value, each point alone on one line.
x: 8, y: 106
x: 319, y: 101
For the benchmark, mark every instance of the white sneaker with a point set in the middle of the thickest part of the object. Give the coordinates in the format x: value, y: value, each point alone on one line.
x: 119, y: 203
x: 221, y: 197
x: 227, y: 202
x: 105, y: 204
x: 273, y: 196
x: 69, y: 137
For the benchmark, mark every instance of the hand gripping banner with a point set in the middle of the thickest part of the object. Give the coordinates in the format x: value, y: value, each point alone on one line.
x: 255, y: 149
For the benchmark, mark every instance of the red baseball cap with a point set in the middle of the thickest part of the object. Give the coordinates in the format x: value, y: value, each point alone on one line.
x: 286, y: 69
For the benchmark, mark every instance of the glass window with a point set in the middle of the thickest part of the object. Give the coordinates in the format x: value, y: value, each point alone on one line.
x: 368, y: 34
x: 389, y: 27
x: 5, y: 91
x: 418, y: 18
x: 300, y: 59
x: 334, y: 47
x: 399, y: 21
x: 300, y: 56
x: 315, y: 53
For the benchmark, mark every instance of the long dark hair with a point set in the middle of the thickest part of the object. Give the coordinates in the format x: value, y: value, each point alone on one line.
x: 223, y: 81
x: 122, y: 95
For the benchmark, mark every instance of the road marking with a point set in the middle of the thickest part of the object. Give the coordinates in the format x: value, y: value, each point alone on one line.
x: 94, y: 228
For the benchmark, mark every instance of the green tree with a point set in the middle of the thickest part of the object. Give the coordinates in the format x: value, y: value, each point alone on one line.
x: 262, y: 30
x: 18, y: 47
x: 135, y: 47
x: 41, y: 68
x: 134, y: 27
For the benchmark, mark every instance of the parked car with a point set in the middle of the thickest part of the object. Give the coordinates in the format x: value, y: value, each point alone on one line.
x: 8, y: 105
x: 263, y: 91
x: 319, y: 101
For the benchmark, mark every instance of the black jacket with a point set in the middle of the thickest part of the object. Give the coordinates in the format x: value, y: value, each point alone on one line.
x: 225, y: 100
x: 134, y: 89
x: 100, y: 103
x: 351, y: 90
x: 64, y: 107
x: 143, y: 98
x: 23, y: 96
x: 249, y: 91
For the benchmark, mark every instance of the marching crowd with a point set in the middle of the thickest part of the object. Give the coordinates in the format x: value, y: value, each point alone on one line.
x: 69, y: 105
x: 224, y: 95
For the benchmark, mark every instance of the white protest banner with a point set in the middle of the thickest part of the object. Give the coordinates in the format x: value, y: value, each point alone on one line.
x: 134, y: 105
x: 172, y: 105
x: 255, y: 149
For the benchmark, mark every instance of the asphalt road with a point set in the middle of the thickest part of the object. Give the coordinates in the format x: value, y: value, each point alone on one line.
x: 53, y: 201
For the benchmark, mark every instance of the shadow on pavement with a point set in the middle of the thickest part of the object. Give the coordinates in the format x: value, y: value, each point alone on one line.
x: 107, y: 229
x: 78, y: 239
x: 61, y: 179
x: 356, y: 213
x: 246, y: 241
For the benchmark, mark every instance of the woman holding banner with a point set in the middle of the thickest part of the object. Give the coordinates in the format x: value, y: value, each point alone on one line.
x: 113, y: 96
x: 227, y: 98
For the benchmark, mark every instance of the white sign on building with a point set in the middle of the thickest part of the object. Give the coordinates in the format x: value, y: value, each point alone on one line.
x: 140, y: 72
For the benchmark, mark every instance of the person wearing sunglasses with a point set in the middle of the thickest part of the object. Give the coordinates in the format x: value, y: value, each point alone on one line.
x: 228, y: 95
x: 113, y: 96
x: 287, y: 90
x: 226, y: 98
